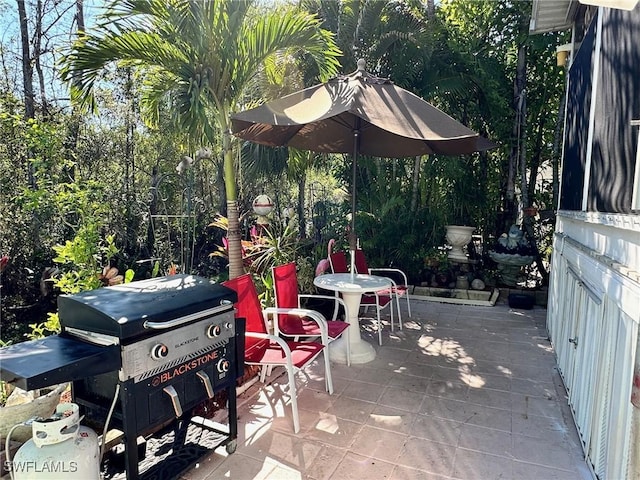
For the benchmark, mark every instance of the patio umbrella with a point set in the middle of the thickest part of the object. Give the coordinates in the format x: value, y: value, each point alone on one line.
x: 359, y: 114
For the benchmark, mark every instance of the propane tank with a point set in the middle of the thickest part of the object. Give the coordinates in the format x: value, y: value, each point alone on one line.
x: 59, y: 448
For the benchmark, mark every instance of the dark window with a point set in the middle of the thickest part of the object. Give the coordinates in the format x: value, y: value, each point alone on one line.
x: 577, y: 127
x: 615, y: 140
x: 618, y: 102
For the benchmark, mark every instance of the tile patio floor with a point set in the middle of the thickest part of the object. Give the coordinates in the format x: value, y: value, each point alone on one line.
x: 460, y: 393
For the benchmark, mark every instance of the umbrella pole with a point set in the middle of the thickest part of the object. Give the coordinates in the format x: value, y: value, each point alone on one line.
x: 352, y: 233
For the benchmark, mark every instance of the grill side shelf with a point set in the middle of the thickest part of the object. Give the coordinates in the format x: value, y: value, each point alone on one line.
x: 53, y: 360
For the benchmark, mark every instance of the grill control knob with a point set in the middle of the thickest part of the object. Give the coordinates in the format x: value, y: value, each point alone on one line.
x: 159, y: 351
x: 228, y: 325
x: 223, y: 366
x: 213, y: 331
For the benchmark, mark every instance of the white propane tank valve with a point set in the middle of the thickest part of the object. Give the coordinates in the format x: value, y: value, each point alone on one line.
x: 59, y: 448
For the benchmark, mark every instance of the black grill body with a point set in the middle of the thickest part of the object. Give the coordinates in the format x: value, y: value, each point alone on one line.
x: 149, y: 351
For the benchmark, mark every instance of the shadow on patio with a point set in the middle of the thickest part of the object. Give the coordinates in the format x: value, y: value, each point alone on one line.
x: 460, y: 393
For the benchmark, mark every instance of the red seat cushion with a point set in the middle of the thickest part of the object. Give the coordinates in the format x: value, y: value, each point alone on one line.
x: 301, y: 354
x: 334, y: 327
x: 254, y: 349
x: 400, y: 290
x: 369, y: 299
x: 285, y: 281
x: 261, y: 350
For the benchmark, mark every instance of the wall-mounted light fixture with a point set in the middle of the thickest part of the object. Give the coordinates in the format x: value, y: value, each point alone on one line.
x: 562, y: 53
x: 620, y: 4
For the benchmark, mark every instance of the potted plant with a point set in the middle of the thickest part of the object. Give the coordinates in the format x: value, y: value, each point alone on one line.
x: 437, y: 268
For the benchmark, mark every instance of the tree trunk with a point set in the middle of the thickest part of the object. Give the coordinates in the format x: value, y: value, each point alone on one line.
x: 431, y: 9
x: 37, y: 47
x: 528, y: 188
x: 524, y: 190
x: 221, y: 190
x: 71, y: 142
x: 234, y: 236
x: 131, y: 222
x: 302, y: 183
x: 536, y: 158
x: 80, y: 15
x: 27, y: 68
x: 27, y: 81
x: 415, y: 184
x: 517, y: 135
x: 483, y: 180
x: 153, y: 211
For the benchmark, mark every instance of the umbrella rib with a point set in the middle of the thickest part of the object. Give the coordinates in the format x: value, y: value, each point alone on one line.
x: 342, y: 122
x: 292, y: 133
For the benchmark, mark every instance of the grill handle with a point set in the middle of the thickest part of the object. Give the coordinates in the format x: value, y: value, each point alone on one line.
x: 175, y: 400
x: 224, y: 305
x: 204, y: 378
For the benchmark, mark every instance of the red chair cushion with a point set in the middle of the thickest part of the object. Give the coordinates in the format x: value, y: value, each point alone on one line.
x: 361, y: 262
x: 334, y: 327
x: 255, y: 349
x: 400, y: 290
x: 370, y: 299
x: 301, y: 353
x: 248, y: 307
x: 285, y: 282
x: 338, y: 262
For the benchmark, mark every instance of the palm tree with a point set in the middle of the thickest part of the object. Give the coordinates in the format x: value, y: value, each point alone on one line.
x: 394, y: 37
x: 200, y: 56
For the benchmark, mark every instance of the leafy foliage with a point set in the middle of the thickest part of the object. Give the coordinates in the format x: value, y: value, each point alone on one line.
x: 200, y: 58
x: 166, y: 76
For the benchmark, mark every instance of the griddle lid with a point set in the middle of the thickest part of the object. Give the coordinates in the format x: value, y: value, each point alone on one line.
x: 123, y: 310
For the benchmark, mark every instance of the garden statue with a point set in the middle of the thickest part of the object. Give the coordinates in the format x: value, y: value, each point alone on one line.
x: 513, y: 239
x: 512, y: 252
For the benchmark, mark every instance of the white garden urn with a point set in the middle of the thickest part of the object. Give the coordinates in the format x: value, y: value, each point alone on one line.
x: 458, y: 237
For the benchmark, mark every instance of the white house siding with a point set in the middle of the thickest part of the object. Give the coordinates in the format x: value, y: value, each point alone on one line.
x: 593, y: 313
x: 593, y: 321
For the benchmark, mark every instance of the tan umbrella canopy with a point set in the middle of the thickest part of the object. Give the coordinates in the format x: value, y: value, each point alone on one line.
x: 358, y: 114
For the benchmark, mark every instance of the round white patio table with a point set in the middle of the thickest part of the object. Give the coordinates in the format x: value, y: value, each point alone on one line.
x: 351, y: 287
